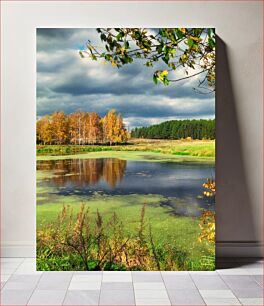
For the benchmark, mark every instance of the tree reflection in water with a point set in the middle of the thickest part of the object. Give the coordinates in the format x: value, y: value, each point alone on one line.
x: 83, y: 172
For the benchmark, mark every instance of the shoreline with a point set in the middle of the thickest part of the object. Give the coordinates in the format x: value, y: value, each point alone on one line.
x: 146, y: 156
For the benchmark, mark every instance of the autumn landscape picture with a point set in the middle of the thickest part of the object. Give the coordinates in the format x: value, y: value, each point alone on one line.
x: 125, y: 149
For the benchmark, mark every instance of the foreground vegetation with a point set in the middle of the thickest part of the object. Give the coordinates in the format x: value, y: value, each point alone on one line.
x: 84, y: 239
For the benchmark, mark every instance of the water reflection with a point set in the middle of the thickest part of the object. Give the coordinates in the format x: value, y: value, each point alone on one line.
x: 83, y: 172
x: 179, y: 184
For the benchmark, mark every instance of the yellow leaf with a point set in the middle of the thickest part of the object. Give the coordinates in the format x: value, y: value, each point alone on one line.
x: 113, y: 63
x: 195, y: 38
x: 164, y: 72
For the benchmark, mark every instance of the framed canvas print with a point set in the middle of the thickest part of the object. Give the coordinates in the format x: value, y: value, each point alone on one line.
x: 125, y: 143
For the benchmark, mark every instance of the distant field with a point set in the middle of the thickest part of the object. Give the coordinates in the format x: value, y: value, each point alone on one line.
x: 201, y: 148
x: 195, y: 148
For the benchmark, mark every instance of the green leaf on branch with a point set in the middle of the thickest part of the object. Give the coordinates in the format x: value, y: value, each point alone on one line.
x: 171, y: 47
x: 107, y: 57
x: 103, y: 37
x: 211, y: 43
x: 149, y: 64
x: 155, y: 79
x: 166, y: 81
x: 190, y: 42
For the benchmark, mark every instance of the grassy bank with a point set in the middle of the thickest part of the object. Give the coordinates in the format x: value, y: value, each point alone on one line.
x: 136, y: 156
x: 141, y: 150
x: 197, y: 148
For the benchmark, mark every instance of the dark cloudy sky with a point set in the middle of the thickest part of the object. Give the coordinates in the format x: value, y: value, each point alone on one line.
x: 65, y: 82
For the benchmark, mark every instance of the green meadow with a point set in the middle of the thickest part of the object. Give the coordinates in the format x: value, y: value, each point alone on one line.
x: 190, y: 148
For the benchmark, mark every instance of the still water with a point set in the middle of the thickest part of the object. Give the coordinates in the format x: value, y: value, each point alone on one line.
x: 112, y: 176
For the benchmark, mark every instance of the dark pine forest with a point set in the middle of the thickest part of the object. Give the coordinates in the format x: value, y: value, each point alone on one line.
x: 177, y: 129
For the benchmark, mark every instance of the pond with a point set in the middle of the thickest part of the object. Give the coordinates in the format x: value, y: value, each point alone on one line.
x: 179, y: 183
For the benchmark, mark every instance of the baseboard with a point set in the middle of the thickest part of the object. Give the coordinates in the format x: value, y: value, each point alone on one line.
x: 239, y: 249
x: 223, y: 249
x: 18, y: 249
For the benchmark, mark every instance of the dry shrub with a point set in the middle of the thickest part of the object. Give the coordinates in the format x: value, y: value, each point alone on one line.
x: 106, y: 244
x: 207, y: 226
x: 207, y: 220
x: 210, y: 188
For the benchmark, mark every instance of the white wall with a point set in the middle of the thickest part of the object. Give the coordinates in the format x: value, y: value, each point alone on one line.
x: 239, y: 107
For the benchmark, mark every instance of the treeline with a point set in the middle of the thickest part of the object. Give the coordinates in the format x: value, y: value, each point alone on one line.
x: 177, y: 129
x: 81, y: 128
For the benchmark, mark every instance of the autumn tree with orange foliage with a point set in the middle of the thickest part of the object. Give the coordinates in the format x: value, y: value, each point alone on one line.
x: 59, y: 126
x: 113, y: 128
x: 81, y: 128
x: 95, y: 129
x: 44, y: 130
x: 75, y: 120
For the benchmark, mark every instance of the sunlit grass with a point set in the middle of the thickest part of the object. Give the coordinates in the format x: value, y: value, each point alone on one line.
x: 192, y: 148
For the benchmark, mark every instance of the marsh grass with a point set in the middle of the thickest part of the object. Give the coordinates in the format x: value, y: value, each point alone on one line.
x: 86, y: 241
x: 196, y: 148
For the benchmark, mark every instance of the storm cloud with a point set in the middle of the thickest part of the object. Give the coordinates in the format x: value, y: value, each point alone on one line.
x: 66, y: 82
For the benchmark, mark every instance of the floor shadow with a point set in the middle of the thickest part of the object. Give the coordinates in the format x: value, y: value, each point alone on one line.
x: 227, y: 263
x: 234, y: 216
